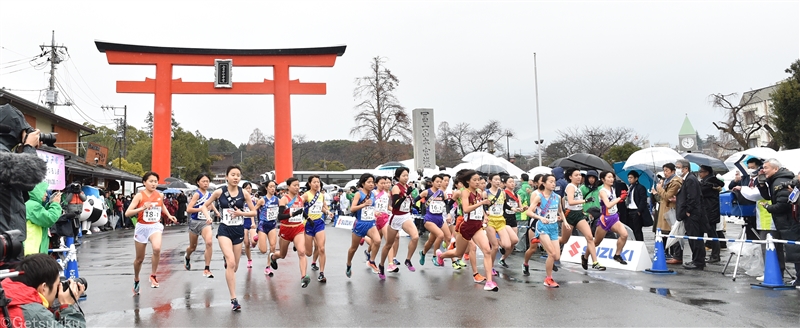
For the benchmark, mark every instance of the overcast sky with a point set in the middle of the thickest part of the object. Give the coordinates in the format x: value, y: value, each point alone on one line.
x: 639, y: 64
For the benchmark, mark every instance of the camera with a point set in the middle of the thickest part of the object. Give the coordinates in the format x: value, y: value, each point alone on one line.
x: 10, y: 246
x: 80, y: 280
x: 793, y: 183
x: 48, y: 139
x: 73, y: 188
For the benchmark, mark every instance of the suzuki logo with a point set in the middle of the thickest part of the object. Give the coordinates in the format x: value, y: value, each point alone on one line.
x: 574, y: 249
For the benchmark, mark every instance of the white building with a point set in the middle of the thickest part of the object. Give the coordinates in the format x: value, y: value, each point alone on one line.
x: 757, y: 105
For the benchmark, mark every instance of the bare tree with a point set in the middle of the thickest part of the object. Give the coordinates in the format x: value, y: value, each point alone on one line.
x: 596, y: 140
x: 257, y: 138
x: 463, y: 139
x: 739, y: 124
x: 380, y: 116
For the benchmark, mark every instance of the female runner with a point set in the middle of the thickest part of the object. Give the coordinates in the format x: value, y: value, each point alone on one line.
x: 382, y: 212
x: 472, y: 204
x: 249, y: 228
x: 609, y: 219
x: 199, y: 224
x: 538, y: 187
x: 148, y: 205
x: 575, y: 217
x: 548, y: 212
x: 290, y: 213
x: 364, y: 210
x: 267, y: 221
x: 230, y: 234
x: 511, y: 207
x: 434, y: 221
x: 401, y: 219
x: 315, y: 204
x: 496, y: 222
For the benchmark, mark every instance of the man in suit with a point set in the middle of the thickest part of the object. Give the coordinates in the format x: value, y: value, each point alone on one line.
x: 638, y: 211
x: 738, y: 182
x: 690, y: 211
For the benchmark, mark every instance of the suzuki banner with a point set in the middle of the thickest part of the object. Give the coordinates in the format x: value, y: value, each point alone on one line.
x: 634, y: 252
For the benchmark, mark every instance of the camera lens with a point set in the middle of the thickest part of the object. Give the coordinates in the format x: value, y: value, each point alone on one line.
x: 48, y: 138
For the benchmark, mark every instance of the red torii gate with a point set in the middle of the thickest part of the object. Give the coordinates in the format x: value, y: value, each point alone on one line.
x: 164, y: 86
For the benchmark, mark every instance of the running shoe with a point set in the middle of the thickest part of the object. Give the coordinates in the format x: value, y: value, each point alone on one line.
x: 367, y: 255
x: 305, y: 281
x: 478, y: 278
x: 466, y: 256
x: 396, y: 262
x: 348, y: 272
x: 314, y: 267
x: 422, y: 258
x: 526, y: 270
x: 584, y: 262
x: 461, y: 263
x: 549, y: 282
x: 322, y: 278
x: 490, y: 286
x: 436, y: 263
x: 494, y: 272
x: 456, y: 266
x: 361, y: 243
x: 444, y: 244
x: 268, y: 271
x: 272, y: 262
x: 502, y: 250
x: 372, y: 266
x: 135, y: 288
x: 235, y: 305
x: 207, y: 274
x: 503, y: 263
x: 535, y: 240
x: 439, y: 260
x: 599, y: 267
x: 409, y: 266
x: 620, y: 260
x: 393, y: 268
x: 555, y: 268
x: 153, y: 281
x: 381, y: 274
x: 249, y: 264
x: 186, y: 263
x: 452, y: 245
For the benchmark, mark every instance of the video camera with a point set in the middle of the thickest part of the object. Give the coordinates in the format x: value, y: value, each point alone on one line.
x: 10, y: 247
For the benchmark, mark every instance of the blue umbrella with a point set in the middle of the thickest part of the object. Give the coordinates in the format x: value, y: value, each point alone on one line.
x: 171, y: 191
x: 645, y: 177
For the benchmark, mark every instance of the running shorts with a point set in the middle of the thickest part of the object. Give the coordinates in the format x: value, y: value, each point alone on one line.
x: 196, y: 226
x: 361, y: 228
x: 436, y: 219
x: 511, y: 222
x: 381, y: 219
x: 470, y: 227
x: 143, y: 231
x: 550, y: 229
x: 248, y: 223
x: 234, y: 233
x: 497, y: 223
x: 396, y: 222
x: 288, y: 232
x: 575, y: 216
x: 315, y: 226
x: 606, y: 222
x: 266, y: 226
x: 459, y: 222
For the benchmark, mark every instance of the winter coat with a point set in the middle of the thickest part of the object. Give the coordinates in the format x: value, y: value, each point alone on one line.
x: 591, y: 191
x: 689, y: 200
x: 41, y: 216
x: 524, y: 194
x: 781, y: 211
x: 710, y: 187
x: 27, y: 309
x: 664, y: 203
x: 561, y: 183
x: 19, y: 174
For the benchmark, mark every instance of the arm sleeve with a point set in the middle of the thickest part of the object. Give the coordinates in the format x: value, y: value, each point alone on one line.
x: 397, y: 199
x: 282, y: 211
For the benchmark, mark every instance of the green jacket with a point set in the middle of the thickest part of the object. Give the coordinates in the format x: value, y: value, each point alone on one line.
x: 594, y: 193
x: 524, y: 194
x: 40, y: 217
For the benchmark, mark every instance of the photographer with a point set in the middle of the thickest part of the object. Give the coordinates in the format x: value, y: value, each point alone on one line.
x: 20, y: 172
x: 33, y: 293
x: 773, y: 185
x: 42, y: 213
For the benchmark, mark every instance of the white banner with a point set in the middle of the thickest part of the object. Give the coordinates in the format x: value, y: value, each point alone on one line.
x: 634, y: 252
x: 345, y: 222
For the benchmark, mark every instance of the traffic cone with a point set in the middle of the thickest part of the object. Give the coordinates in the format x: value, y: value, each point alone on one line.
x: 659, y: 259
x: 773, y: 277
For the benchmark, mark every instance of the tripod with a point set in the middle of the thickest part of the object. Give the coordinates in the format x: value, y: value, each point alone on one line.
x: 739, y: 253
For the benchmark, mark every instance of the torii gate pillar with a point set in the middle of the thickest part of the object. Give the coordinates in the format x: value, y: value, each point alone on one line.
x: 164, y: 86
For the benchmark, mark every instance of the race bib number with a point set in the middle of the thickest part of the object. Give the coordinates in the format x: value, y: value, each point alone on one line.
x: 551, y: 216
x: 201, y: 216
x: 512, y: 204
x: 496, y: 210
x: 297, y: 218
x: 229, y: 220
x: 405, y: 206
x: 477, y: 214
x: 152, y: 215
x: 436, y: 207
x: 315, y: 209
x: 368, y: 213
x: 382, y: 204
x: 272, y: 213
x: 612, y: 210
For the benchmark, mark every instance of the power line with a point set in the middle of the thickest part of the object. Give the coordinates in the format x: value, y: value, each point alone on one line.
x: 78, y: 109
x: 72, y: 62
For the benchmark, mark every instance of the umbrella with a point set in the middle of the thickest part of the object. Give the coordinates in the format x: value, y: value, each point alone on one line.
x: 762, y: 153
x: 177, y: 184
x: 589, y: 161
x: 390, y: 165
x: 171, y: 191
x: 476, y: 156
x: 790, y: 159
x: 490, y: 168
x: 645, y: 178
x: 539, y: 170
x: 703, y: 159
x: 476, y: 159
x: 651, y: 159
x: 564, y: 162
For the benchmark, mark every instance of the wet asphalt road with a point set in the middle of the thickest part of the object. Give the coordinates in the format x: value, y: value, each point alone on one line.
x: 431, y: 296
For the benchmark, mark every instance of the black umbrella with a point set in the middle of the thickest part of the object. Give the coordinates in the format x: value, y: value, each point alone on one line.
x: 589, y: 161
x: 564, y: 162
x: 178, y: 184
x: 702, y: 159
x: 491, y: 168
x: 392, y: 164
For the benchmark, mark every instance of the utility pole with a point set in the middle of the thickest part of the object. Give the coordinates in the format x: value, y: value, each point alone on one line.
x: 122, y: 127
x: 538, y: 122
x: 52, y: 94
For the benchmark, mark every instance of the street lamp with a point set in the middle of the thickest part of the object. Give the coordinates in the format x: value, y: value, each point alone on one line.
x: 491, y: 146
x: 539, y: 144
x: 508, y: 148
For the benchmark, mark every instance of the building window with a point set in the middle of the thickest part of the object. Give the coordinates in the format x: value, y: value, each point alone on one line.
x: 750, y: 117
x: 752, y: 143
